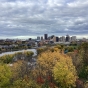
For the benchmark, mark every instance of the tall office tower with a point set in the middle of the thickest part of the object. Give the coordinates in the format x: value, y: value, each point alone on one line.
x: 67, y: 38
x: 57, y: 39
x: 45, y: 36
x: 54, y: 39
x: 38, y: 38
x: 63, y: 38
x: 73, y: 38
x: 41, y: 37
x: 60, y: 39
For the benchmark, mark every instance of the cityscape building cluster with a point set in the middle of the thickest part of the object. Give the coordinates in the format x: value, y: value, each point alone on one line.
x: 54, y: 38
x: 16, y: 44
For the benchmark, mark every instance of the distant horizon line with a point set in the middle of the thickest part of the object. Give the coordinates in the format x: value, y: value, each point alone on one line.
x: 25, y: 38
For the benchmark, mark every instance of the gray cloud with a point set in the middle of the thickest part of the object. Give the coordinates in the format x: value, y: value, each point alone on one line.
x: 35, y: 17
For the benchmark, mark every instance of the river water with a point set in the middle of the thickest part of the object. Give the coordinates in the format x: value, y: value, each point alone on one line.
x: 13, y: 52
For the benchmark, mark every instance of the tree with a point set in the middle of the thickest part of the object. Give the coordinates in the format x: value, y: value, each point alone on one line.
x: 28, y: 53
x: 86, y: 84
x: 64, y: 72
x: 24, y: 84
x: 5, y: 76
x: 83, y: 56
x: 7, y: 58
x: 84, y: 48
x: 60, y: 47
x: 48, y: 68
x: 40, y: 50
x: 22, y: 76
x: 19, y: 70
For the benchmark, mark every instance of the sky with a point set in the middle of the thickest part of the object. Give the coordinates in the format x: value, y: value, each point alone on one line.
x: 31, y: 18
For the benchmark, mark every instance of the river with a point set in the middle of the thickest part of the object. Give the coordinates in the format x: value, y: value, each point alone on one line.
x: 13, y: 52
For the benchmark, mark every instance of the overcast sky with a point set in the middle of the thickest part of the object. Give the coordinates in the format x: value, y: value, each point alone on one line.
x: 31, y: 18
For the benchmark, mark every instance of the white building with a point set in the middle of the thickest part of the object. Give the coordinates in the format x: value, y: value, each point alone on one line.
x: 63, y: 38
x: 73, y: 38
x: 54, y: 39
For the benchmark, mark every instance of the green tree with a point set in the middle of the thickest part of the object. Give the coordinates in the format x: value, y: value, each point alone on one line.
x: 83, y: 56
x: 84, y: 48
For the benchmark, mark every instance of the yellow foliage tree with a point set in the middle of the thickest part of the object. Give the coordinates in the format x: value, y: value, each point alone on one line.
x: 5, y: 76
x: 46, y: 61
x: 64, y: 72
x: 59, y: 66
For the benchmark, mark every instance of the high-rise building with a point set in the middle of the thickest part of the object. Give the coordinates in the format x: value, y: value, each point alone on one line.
x: 73, y: 38
x: 38, y: 38
x: 54, y: 39
x: 41, y: 37
x: 60, y: 39
x: 57, y: 39
x: 63, y: 38
x: 45, y: 36
x: 67, y: 38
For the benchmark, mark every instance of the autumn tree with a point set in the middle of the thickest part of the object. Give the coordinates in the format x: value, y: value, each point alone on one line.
x: 80, y: 60
x: 5, y: 76
x: 20, y: 69
x: 40, y: 50
x: 47, y: 64
x: 23, y: 76
x: 7, y: 58
x: 64, y: 72
x: 84, y: 48
x: 83, y: 57
x: 25, y: 84
x: 60, y: 47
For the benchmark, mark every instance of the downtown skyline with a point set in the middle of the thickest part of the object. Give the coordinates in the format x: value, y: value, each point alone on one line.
x: 31, y: 18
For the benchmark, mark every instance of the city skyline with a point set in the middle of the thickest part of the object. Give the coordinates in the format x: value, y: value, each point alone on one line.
x: 31, y: 18
x: 41, y: 37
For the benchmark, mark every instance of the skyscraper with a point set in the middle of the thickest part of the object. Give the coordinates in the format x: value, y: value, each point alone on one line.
x: 60, y: 39
x: 57, y: 39
x: 63, y: 38
x: 41, y: 37
x: 54, y: 39
x: 67, y: 38
x: 45, y: 36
